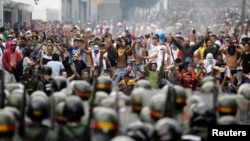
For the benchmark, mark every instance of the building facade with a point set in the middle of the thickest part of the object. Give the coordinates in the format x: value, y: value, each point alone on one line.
x: 78, y: 10
x: 90, y: 10
x: 14, y: 11
x: 109, y: 9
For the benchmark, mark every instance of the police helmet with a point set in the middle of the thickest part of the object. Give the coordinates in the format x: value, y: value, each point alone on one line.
x: 39, y: 94
x: 105, y: 120
x: 104, y: 83
x: 143, y: 83
x: 227, y: 105
x: 207, y: 79
x: 38, y: 109
x: 8, y: 124
x: 244, y: 90
x: 108, y: 102
x: 167, y: 129
x: 99, y: 96
x: 202, y: 115
x: 82, y: 89
x: 46, y: 70
x: 209, y: 87
x: 16, y: 98
x: 16, y: 113
x: 59, y: 117
x: 180, y: 98
x: 140, y: 131
x: 157, y: 103
x: 136, y: 100
x: 73, y: 109
x: 121, y: 96
x: 59, y: 83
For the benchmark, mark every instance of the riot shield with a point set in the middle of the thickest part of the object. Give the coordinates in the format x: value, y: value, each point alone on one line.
x: 194, y: 98
x: 197, y: 97
x: 243, y: 113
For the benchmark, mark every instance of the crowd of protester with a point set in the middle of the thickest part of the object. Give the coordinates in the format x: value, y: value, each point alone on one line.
x: 130, y: 51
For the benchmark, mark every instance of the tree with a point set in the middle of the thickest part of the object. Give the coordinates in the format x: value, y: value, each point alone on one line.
x: 128, y: 6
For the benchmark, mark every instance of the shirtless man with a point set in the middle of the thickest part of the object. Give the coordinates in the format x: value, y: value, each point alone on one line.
x: 232, y: 56
x: 97, y: 57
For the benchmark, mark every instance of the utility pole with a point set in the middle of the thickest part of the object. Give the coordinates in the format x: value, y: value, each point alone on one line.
x: 243, y: 11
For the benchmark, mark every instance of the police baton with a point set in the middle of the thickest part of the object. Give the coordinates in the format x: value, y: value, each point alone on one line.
x: 52, y: 107
x: 2, y: 95
x: 117, y: 99
x: 22, y: 118
x: 88, y: 127
x: 215, y: 97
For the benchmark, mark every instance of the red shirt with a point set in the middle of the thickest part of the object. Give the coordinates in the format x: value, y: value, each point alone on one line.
x: 6, y: 59
x: 192, y: 84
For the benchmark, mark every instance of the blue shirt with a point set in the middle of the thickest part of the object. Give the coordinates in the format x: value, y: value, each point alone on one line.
x: 75, y: 50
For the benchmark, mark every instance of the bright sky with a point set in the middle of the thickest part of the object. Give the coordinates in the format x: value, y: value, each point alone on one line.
x: 53, y: 4
x: 42, y: 4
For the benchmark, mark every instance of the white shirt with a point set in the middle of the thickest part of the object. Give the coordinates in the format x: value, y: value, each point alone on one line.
x: 159, y: 59
x: 26, y: 62
x: 56, y: 67
x: 96, y: 58
x: 152, y: 49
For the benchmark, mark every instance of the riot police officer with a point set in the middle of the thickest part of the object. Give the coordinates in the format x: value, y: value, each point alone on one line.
x: 82, y: 89
x: 227, y: 105
x: 104, y: 83
x: 73, y: 129
x: 137, y: 99
x: 15, y: 99
x: 207, y: 79
x: 210, y: 87
x: 55, y: 101
x: 29, y: 81
x: 243, y: 97
x: 59, y: 83
x: 47, y: 80
x: 37, y: 111
x: 143, y: 83
x: 201, y: 117
x: 140, y: 131
x: 99, y: 96
x: 105, y: 124
x: 8, y: 125
x: 167, y: 129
